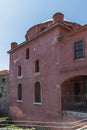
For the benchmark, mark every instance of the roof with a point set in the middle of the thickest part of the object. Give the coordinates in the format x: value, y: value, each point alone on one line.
x: 40, y: 33
x: 57, y: 21
x: 4, y: 72
x: 80, y: 29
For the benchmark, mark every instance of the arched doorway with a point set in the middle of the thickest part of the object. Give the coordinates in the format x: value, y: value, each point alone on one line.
x: 74, y: 94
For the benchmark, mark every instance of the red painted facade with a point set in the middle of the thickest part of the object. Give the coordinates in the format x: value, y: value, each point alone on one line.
x: 52, y: 43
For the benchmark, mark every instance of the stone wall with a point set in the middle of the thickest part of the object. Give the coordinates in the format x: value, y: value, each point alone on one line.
x: 4, y: 76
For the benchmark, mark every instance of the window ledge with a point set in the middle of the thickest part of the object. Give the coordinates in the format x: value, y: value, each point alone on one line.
x: 37, y: 73
x: 37, y: 103
x: 20, y: 77
x: 19, y: 101
x: 80, y: 59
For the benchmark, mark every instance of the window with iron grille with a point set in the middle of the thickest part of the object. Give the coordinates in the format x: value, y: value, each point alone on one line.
x: 79, y: 49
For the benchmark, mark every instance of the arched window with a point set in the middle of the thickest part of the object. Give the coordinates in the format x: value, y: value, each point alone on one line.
x: 37, y: 92
x: 37, y: 66
x: 19, y: 92
x: 27, y: 53
x: 19, y: 70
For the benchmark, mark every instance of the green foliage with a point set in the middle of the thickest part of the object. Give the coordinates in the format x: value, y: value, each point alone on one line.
x: 11, y: 126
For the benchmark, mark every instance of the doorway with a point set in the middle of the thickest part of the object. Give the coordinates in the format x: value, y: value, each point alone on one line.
x: 77, y: 92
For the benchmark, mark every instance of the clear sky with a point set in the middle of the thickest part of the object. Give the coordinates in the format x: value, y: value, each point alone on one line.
x: 17, y: 16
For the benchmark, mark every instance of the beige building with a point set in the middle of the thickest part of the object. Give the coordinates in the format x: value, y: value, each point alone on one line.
x: 4, y: 76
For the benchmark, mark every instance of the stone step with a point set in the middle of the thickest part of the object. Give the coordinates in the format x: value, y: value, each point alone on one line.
x: 76, y: 114
x: 77, y: 119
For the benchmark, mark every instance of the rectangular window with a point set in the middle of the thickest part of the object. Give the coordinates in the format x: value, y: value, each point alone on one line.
x: 79, y: 49
x: 3, y: 80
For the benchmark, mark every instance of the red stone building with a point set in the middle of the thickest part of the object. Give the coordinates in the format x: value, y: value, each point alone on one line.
x: 48, y: 71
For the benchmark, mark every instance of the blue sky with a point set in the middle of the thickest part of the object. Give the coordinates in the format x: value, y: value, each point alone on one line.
x: 17, y: 16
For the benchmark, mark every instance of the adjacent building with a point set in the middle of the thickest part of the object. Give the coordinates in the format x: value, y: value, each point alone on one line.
x: 4, y: 83
x: 48, y: 71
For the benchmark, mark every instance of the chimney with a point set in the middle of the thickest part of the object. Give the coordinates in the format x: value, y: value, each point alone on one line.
x: 14, y: 45
x: 58, y: 17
